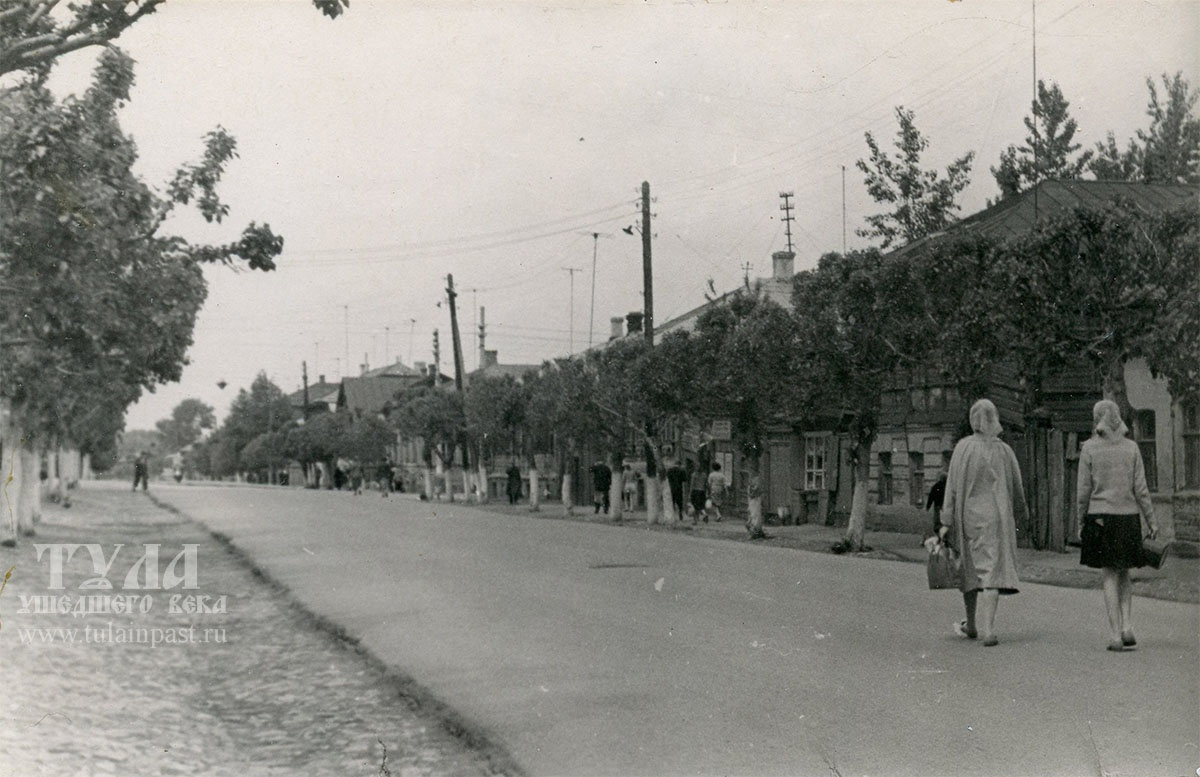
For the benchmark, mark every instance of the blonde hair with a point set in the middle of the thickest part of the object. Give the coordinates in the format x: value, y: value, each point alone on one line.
x: 985, y: 419
x: 1106, y: 420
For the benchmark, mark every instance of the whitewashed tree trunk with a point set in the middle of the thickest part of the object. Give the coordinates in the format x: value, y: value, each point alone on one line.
x: 671, y: 516
x: 535, y: 490
x: 25, y: 482
x: 10, y: 471
x: 754, y: 514
x: 856, y: 529
x: 654, y: 513
x: 439, y: 469
x: 483, y: 482
x: 85, y: 468
x: 616, y: 494
x: 568, y: 493
x: 466, y: 481
x: 427, y: 481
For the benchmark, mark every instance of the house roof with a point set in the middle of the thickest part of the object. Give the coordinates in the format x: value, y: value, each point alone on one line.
x: 397, y: 370
x: 370, y: 395
x: 1018, y: 215
x: 317, y: 392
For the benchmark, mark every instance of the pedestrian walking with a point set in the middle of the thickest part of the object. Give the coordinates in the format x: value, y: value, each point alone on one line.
x: 629, y: 487
x: 601, y: 484
x: 141, y: 471
x: 677, y: 478
x: 1112, y: 495
x: 513, y: 487
x: 984, y: 500
x: 716, y: 490
x: 937, y: 497
x: 698, y: 487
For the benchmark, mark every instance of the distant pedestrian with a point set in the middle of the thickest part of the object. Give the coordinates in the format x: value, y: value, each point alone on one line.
x: 601, y: 484
x: 513, y: 488
x: 937, y: 497
x: 677, y: 478
x: 716, y: 490
x: 383, y: 477
x: 1112, y: 495
x: 141, y: 471
x: 984, y: 500
x: 629, y: 487
x: 698, y: 488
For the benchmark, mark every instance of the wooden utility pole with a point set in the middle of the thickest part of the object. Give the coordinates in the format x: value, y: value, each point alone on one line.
x: 571, y: 345
x: 455, y: 339
x: 304, y: 374
x: 647, y: 271
x: 788, y: 218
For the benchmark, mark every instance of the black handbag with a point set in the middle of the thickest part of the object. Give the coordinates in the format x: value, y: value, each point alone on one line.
x: 1154, y: 552
x: 944, y: 568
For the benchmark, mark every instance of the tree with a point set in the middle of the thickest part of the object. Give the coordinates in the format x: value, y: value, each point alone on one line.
x: 32, y: 37
x: 434, y: 416
x: 495, y: 408
x: 923, y: 201
x: 187, y: 424
x: 263, y: 409
x: 1110, y: 284
x: 1166, y: 152
x: 748, y: 351
x: 1048, y: 151
x: 861, y: 321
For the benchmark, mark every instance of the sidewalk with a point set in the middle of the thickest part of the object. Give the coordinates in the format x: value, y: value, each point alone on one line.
x: 1177, y: 581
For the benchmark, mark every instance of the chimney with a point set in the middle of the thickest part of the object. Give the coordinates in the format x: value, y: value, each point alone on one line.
x: 634, y: 322
x: 420, y: 367
x: 618, y: 326
x: 783, y: 265
x: 320, y: 379
x: 490, y: 359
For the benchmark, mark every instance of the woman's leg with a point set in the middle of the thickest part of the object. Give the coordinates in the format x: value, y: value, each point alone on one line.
x: 990, y: 598
x: 1111, y: 581
x: 970, y: 599
x: 1125, y: 601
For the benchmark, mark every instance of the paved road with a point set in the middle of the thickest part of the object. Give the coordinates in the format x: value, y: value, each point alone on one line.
x: 591, y: 649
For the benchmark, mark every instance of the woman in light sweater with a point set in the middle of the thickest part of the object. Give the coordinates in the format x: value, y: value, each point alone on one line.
x: 1111, y: 493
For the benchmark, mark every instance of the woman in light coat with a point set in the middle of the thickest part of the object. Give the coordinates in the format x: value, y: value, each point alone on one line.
x: 1112, y: 495
x: 984, y: 500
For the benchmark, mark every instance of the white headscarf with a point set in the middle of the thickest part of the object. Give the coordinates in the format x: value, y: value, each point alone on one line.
x: 1106, y: 420
x: 985, y: 419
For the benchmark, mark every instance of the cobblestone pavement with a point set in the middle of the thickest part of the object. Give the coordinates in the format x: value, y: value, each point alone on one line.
x: 254, y: 690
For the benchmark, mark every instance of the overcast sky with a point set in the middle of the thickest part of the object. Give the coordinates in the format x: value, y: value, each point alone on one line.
x: 408, y: 140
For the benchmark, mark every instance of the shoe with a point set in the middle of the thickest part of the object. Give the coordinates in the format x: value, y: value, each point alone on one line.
x: 961, y: 630
x: 1116, y: 647
x: 991, y: 642
x: 1127, y: 639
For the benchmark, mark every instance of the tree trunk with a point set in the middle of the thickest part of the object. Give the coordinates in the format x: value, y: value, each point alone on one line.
x: 857, y: 528
x: 1114, y: 388
x: 616, y: 491
x: 754, y: 509
x: 85, y: 468
x: 535, y: 489
x: 568, y: 493
x: 10, y: 464
x: 670, y: 515
x: 654, y: 505
x: 483, y: 481
x: 427, y: 481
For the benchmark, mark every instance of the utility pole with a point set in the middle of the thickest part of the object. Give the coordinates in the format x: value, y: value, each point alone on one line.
x: 437, y: 358
x: 572, y: 271
x: 412, y: 328
x: 387, y: 337
x: 788, y: 218
x: 843, y: 209
x: 304, y: 375
x: 346, y: 320
x: 1037, y: 140
x: 592, y: 313
x: 482, y: 336
x: 454, y: 336
x: 647, y: 269
x: 746, y: 273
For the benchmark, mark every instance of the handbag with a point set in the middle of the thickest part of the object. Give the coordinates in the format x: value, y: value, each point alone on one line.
x: 1154, y: 551
x: 944, y: 568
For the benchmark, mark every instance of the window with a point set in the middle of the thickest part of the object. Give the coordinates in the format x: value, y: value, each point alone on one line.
x: 885, y: 478
x: 916, y: 472
x: 1191, y: 445
x: 1143, y: 434
x: 814, y: 462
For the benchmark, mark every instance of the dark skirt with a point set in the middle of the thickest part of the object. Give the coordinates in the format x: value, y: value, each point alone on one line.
x: 1112, y: 541
x: 698, y: 500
